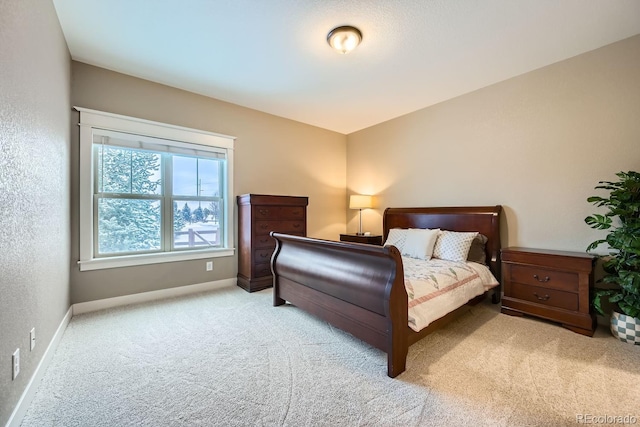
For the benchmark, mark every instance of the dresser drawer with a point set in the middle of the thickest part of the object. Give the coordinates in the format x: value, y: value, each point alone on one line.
x: 262, y: 255
x: 264, y: 241
x: 265, y: 212
x: 291, y: 227
x: 293, y: 212
x: 262, y: 270
x: 539, y: 276
x: 279, y: 212
x: 545, y: 296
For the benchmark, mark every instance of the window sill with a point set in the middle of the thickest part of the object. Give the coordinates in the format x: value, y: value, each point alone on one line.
x: 135, y: 260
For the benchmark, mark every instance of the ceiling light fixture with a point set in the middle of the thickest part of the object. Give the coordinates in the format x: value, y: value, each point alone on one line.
x: 344, y: 39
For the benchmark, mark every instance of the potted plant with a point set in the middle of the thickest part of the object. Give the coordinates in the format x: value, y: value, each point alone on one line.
x: 622, y: 266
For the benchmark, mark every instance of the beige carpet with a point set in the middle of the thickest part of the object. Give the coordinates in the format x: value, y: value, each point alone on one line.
x: 229, y: 358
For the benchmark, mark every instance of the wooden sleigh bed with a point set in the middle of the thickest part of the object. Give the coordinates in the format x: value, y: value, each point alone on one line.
x: 360, y: 288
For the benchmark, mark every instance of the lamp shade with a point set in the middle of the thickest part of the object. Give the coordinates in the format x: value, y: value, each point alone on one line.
x: 360, y: 202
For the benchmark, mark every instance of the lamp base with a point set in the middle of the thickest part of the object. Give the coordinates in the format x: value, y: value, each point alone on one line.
x: 360, y: 234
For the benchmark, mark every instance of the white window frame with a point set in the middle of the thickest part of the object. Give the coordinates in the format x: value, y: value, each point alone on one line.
x: 90, y: 119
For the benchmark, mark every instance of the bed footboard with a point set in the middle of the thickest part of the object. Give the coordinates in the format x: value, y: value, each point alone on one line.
x: 357, y: 288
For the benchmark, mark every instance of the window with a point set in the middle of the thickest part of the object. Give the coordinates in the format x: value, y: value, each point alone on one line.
x: 152, y: 192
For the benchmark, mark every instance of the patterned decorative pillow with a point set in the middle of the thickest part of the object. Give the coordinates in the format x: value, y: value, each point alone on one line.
x: 419, y: 243
x: 453, y: 245
x: 397, y: 237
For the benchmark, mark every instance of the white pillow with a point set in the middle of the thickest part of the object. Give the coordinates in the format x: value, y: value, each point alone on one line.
x: 397, y: 237
x: 419, y: 243
x: 453, y: 246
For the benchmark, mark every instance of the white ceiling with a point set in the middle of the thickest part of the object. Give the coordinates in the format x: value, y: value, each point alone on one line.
x: 272, y: 55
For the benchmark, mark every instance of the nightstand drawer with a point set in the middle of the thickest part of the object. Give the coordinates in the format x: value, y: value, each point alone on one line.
x: 545, y: 296
x: 538, y: 276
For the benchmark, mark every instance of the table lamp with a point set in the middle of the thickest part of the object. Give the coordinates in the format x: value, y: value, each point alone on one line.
x: 360, y: 202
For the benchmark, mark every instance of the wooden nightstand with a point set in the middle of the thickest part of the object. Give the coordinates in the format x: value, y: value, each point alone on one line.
x: 356, y: 238
x: 553, y: 285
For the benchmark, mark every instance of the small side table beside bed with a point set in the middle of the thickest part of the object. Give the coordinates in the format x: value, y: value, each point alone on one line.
x: 552, y: 285
x: 362, y: 238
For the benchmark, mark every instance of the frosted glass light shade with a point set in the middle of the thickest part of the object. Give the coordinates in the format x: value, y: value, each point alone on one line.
x: 360, y: 202
x: 344, y: 39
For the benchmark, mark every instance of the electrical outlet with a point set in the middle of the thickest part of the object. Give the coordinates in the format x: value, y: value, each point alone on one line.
x: 16, y: 363
x: 209, y: 265
x: 32, y: 338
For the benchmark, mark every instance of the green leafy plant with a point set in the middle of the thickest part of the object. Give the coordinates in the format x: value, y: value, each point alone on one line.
x: 622, y: 267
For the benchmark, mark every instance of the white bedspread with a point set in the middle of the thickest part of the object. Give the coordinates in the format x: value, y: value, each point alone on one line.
x: 437, y: 287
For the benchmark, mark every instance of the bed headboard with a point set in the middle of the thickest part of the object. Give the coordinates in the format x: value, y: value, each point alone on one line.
x: 483, y: 219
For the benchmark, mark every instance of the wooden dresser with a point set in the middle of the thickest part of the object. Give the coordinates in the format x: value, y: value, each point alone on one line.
x: 258, y: 215
x: 553, y: 285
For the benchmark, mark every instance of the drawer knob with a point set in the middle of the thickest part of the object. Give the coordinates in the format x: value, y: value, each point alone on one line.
x: 544, y: 298
x: 546, y: 279
x: 264, y: 211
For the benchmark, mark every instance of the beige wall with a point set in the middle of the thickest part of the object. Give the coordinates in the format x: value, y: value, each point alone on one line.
x: 537, y: 144
x: 272, y: 156
x: 34, y: 187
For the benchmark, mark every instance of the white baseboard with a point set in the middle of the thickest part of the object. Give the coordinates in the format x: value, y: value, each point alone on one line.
x: 27, y: 396
x: 85, y: 307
